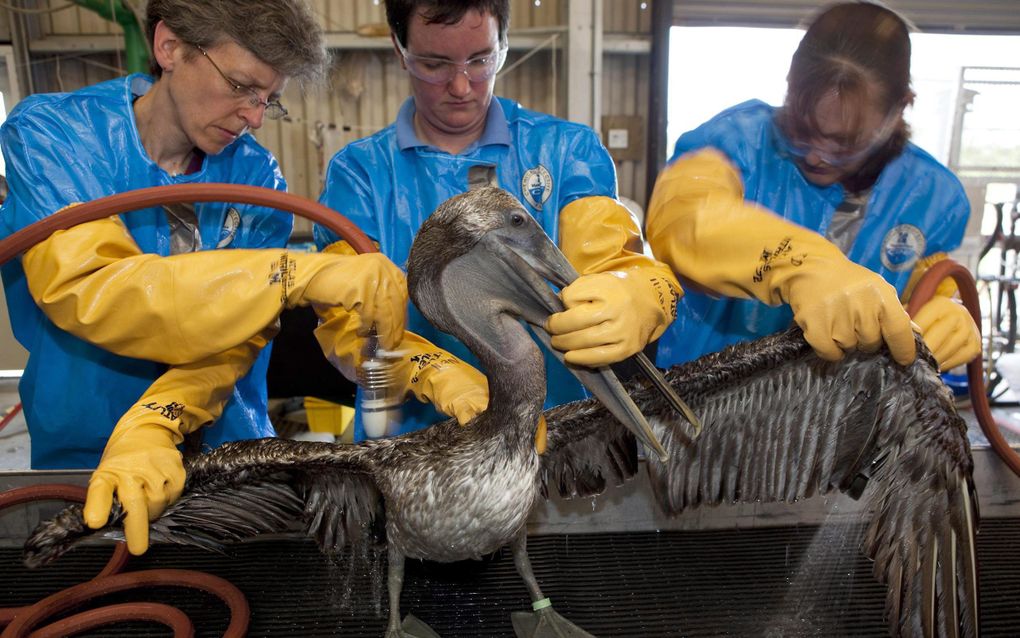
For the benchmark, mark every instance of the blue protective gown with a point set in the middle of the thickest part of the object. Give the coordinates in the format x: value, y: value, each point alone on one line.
x: 62, y: 148
x: 389, y: 183
x: 916, y: 208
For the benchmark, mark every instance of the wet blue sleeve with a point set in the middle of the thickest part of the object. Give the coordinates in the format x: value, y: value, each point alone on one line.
x: 727, y: 132
x: 348, y: 191
x: 47, y: 169
x: 947, y: 234
x: 587, y: 171
x: 691, y: 140
x: 266, y: 227
x: 739, y: 132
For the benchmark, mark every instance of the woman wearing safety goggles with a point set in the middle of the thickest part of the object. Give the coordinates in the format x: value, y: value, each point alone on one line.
x: 822, y: 208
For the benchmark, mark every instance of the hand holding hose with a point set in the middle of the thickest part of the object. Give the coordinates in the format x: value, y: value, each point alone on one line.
x: 949, y: 332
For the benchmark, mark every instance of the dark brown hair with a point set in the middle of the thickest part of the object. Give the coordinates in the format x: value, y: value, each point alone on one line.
x: 446, y: 12
x: 861, y: 51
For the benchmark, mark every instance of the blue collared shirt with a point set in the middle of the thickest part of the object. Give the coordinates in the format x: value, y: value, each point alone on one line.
x: 497, y: 131
x: 389, y: 183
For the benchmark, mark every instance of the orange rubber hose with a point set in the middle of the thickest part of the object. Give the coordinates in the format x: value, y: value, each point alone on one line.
x: 975, y: 371
x: 23, y: 619
x: 32, y: 234
x: 55, y: 491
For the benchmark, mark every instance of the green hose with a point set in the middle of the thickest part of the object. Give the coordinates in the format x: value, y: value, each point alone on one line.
x: 136, y: 52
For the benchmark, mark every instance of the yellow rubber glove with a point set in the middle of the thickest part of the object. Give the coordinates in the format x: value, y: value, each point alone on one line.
x: 94, y: 282
x: 623, y: 298
x: 141, y: 463
x: 433, y: 375
x: 949, y: 332
x: 700, y: 224
x: 946, y: 326
x: 946, y: 287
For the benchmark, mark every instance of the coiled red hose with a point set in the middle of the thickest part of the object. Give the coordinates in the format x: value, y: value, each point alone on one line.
x: 31, y: 235
x: 23, y: 620
x: 72, y: 596
x: 975, y: 370
x: 61, y: 492
x: 172, y: 617
x: 20, y: 621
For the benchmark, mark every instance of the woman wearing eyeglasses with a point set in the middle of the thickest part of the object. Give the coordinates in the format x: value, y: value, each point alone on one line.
x: 104, y: 307
x: 822, y: 208
x: 453, y: 134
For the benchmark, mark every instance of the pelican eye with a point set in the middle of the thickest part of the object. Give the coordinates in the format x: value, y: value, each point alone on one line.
x: 516, y: 219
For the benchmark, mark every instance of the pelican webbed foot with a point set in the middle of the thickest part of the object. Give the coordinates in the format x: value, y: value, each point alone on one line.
x: 542, y: 621
x: 545, y: 622
x: 412, y: 628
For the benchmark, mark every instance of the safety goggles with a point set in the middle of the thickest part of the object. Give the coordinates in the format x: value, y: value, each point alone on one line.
x: 442, y: 71
x: 835, y: 154
x: 274, y: 110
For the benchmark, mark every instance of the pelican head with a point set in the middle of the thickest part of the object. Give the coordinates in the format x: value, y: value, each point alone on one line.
x: 480, y: 265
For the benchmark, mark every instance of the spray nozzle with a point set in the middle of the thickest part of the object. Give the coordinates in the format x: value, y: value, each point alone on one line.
x: 380, y: 399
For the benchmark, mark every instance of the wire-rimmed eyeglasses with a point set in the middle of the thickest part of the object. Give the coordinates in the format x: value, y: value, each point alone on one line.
x: 274, y: 110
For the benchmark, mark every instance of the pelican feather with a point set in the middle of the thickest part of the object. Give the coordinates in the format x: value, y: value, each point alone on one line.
x: 782, y: 425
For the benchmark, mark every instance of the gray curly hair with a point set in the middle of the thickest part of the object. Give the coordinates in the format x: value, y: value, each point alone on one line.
x: 282, y: 33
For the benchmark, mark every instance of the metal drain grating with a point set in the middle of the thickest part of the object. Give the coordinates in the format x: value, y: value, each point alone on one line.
x: 705, y: 583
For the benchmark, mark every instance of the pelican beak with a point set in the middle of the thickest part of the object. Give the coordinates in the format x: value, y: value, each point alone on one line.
x: 529, y: 263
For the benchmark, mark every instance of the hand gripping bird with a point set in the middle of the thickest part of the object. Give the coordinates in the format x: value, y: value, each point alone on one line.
x: 779, y: 425
x: 477, y: 269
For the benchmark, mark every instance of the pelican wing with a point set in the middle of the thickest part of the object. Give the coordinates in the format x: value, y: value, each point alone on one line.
x: 586, y: 448
x: 781, y: 425
x: 260, y: 486
x: 246, y: 488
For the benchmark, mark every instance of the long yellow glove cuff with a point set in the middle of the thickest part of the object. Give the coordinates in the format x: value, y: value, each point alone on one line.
x: 433, y: 375
x: 141, y: 463
x: 93, y: 281
x: 700, y: 224
x: 623, y: 298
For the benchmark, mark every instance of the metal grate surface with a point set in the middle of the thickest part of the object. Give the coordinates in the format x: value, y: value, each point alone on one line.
x: 803, y: 581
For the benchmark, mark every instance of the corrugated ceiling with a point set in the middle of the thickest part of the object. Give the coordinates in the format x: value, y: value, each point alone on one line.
x: 989, y: 16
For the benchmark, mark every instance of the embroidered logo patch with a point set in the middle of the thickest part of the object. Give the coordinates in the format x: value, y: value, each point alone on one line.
x: 902, y: 247
x: 536, y: 186
x: 231, y: 223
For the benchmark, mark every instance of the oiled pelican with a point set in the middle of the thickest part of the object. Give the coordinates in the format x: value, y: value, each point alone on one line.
x: 446, y: 493
x: 780, y: 424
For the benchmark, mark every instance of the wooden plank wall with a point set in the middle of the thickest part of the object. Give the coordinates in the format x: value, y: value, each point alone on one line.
x: 5, y: 26
x: 367, y: 86
x: 72, y: 70
x: 625, y: 85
